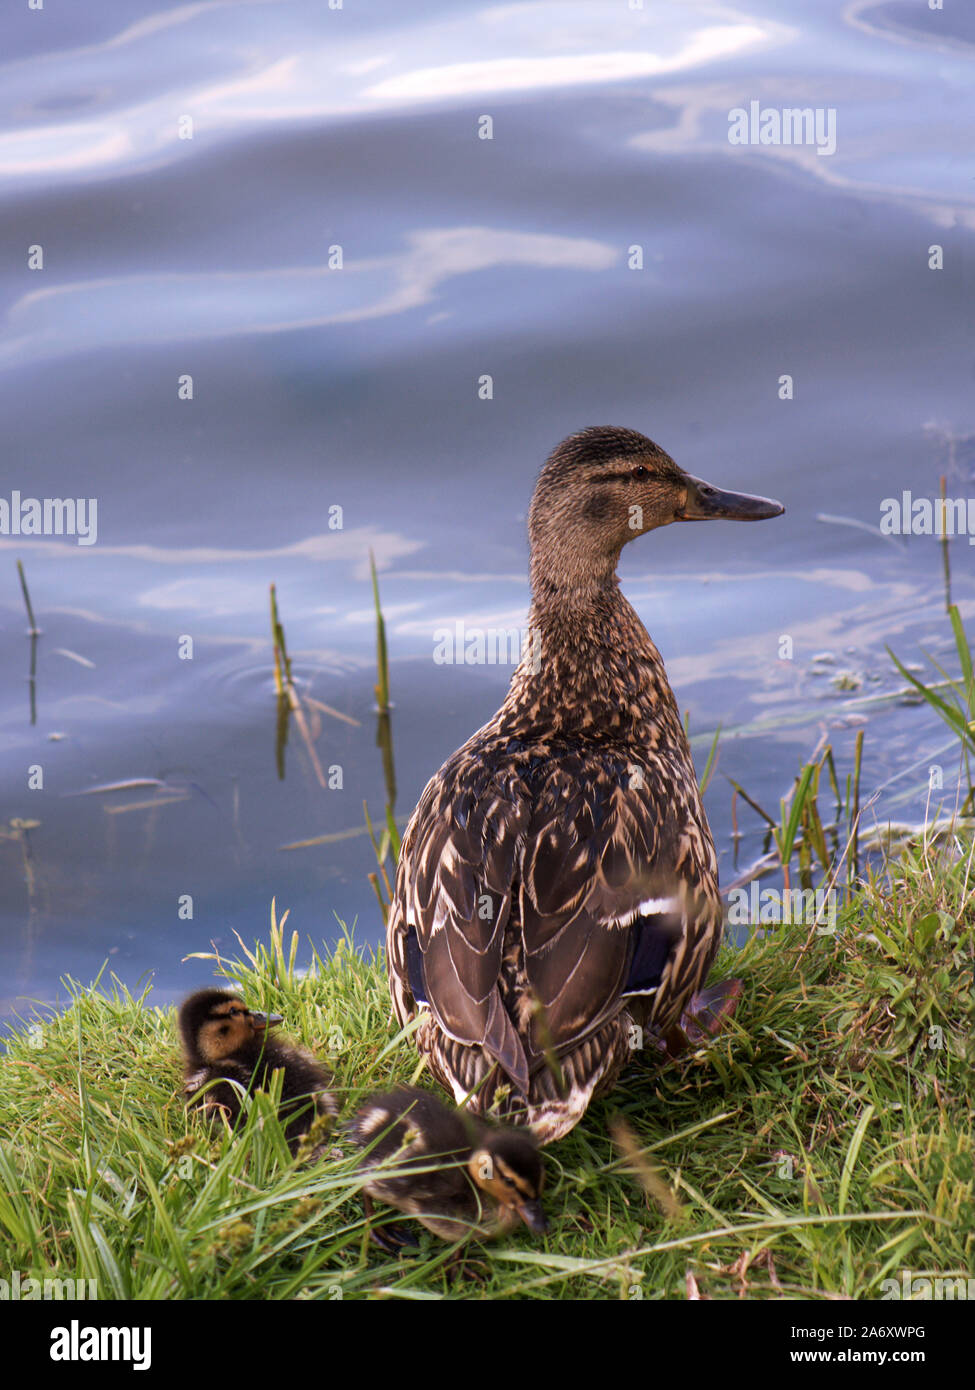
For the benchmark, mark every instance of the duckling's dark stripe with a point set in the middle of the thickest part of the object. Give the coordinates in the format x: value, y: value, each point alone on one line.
x: 611, y: 477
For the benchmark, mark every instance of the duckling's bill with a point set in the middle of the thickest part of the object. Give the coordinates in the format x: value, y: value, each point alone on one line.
x: 262, y: 1020
x: 533, y: 1215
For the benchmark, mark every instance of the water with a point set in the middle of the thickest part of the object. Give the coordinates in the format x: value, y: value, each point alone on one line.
x: 317, y: 388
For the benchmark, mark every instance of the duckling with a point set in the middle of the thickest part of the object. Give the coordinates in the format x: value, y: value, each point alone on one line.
x: 479, y: 1179
x: 557, y: 887
x: 224, y: 1041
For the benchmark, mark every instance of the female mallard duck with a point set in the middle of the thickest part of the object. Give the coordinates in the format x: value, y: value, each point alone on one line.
x: 473, y: 1178
x: 557, y: 887
x: 224, y: 1041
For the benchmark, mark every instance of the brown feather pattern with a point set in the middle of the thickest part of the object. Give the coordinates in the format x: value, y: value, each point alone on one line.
x: 524, y: 867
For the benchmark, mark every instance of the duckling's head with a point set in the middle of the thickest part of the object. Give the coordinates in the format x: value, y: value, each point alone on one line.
x: 602, y: 487
x: 508, y: 1167
x: 215, y: 1024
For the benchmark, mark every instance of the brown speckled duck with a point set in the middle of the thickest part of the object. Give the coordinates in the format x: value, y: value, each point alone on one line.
x: 224, y: 1041
x: 468, y: 1178
x: 557, y: 886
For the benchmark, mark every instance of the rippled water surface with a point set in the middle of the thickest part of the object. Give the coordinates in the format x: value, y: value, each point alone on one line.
x: 316, y: 387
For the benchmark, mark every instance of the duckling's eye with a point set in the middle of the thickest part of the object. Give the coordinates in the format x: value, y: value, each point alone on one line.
x: 640, y: 471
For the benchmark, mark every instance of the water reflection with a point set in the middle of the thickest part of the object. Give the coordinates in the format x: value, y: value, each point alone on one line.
x: 360, y: 387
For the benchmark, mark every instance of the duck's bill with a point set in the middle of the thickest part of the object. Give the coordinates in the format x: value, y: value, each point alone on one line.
x: 533, y: 1216
x: 708, y: 503
x: 262, y: 1020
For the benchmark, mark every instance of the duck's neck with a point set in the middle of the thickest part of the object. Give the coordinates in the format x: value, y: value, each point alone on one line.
x: 590, y: 668
x: 565, y: 576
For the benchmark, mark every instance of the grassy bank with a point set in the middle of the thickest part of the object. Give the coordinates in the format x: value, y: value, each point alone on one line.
x: 821, y: 1144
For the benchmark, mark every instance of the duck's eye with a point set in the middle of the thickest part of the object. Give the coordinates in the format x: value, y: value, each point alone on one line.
x: 640, y: 471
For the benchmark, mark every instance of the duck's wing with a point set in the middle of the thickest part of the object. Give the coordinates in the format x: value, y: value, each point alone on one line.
x: 304, y: 1075
x: 590, y: 855
x: 457, y: 872
x: 213, y: 1093
x: 610, y: 898
x: 196, y: 1080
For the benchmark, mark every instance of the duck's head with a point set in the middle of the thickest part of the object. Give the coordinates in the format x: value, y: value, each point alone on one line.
x: 507, y: 1166
x: 604, y: 486
x: 215, y: 1024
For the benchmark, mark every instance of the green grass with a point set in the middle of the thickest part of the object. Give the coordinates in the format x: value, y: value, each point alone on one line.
x: 822, y: 1143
